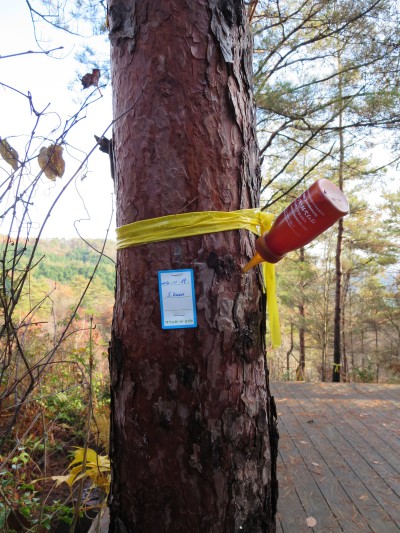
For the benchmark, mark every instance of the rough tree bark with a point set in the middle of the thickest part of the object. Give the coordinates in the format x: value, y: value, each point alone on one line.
x: 193, y: 433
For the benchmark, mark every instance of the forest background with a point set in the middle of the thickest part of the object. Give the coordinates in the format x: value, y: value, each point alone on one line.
x: 326, y: 83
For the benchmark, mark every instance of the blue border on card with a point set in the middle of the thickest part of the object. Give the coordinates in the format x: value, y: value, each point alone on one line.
x: 191, y: 274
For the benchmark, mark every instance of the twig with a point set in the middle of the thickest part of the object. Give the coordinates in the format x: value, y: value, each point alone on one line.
x: 252, y: 9
x: 46, y: 52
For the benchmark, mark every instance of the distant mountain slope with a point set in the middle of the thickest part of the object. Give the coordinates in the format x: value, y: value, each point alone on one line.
x: 61, y: 271
x: 63, y: 260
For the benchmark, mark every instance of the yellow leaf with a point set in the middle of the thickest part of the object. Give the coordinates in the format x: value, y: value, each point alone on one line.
x: 97, y: 469
x: 51, y: 161
x: 62, y: 479
x: 74, y: 472
x: 79, y: 453
x: 8, y: 153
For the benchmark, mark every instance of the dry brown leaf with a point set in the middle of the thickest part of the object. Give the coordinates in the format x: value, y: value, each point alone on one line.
x: 91, y: 79
x: 51, y: 161
x: 8, y: 153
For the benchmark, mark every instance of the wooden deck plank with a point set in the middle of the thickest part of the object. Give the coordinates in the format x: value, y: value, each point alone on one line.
x: 352, y: 475
x: 382, y: 450
x: 308, y: 493
x: 352, y: 432
x: 291, y: 516
x: 380, y: 505
x: 380, y: 416
x: 379, y: 427
x: 339, y: 494
x: 334, y: 477
x: 379, y: 488
x: 388, y: 394
x: 382, y: 458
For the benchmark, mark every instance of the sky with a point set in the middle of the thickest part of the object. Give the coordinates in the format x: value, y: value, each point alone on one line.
x: 53, y: 81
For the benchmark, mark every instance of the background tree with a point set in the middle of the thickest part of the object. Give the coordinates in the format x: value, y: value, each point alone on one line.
x: 325, y: 82
x: 298, y: 73
x: 369, y: 304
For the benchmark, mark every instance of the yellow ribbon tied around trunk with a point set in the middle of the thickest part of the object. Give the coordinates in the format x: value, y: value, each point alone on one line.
x: 200, y: 223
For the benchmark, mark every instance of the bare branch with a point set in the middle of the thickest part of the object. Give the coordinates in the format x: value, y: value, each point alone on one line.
x: 28, y: 52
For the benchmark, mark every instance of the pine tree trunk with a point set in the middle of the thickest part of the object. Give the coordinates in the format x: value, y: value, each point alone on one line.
x: 345, y: 290
x: 337, y: 336
x: 193, y: 436
x: 289, y: 351
x: 300, y: 371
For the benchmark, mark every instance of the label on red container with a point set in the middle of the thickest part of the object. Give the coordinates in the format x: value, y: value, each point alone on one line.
x: 302, y: 213
x: 318, y: 208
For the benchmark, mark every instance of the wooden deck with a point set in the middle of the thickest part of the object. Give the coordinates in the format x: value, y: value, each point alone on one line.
x: 339, y: 457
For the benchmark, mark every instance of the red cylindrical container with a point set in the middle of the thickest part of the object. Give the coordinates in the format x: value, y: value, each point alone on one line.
x: 316, y: 210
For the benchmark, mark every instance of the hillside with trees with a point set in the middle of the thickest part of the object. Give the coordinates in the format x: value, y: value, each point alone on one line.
x: 63, y: 269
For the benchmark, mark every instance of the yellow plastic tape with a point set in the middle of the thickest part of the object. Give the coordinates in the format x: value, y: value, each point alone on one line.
x: 200, y: 223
